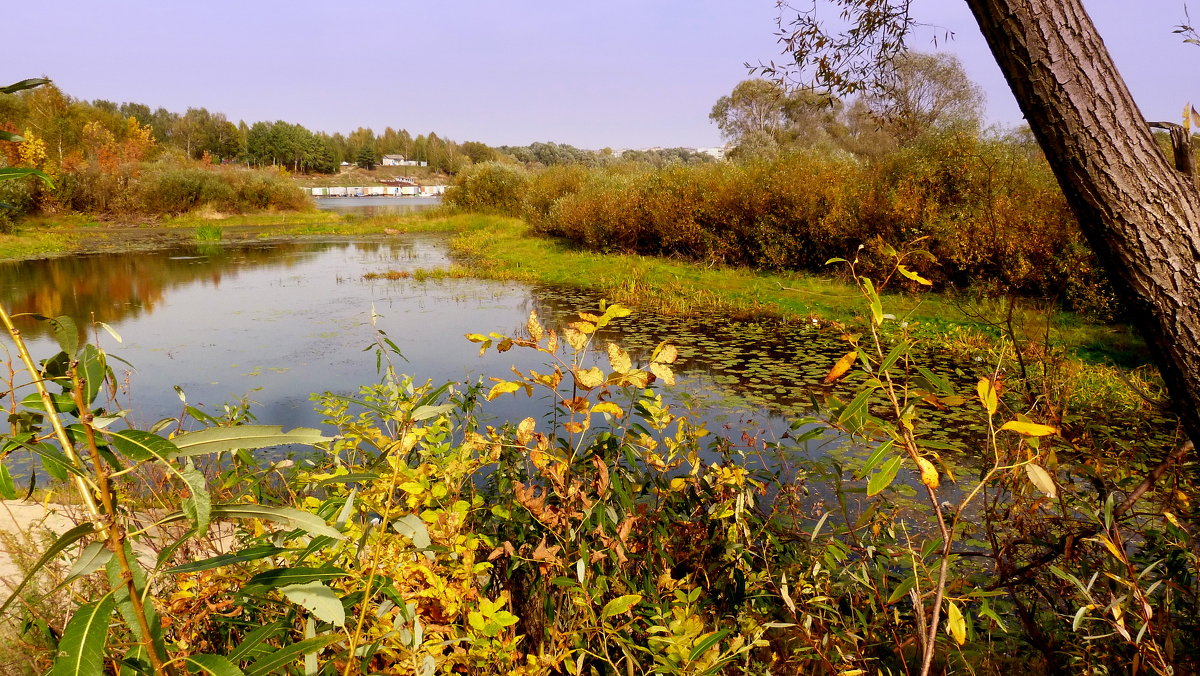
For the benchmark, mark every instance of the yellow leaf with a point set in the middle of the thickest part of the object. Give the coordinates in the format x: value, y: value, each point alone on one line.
x: 1042, y: 479
x: 575, y: 338
x: 619, y: 359
x: 987, y: 394
x: 929, y: 473
x: 583, y: 327
x: 1111, y: 547
x: 534, y: 326
x: 503, y: 387
x: 412, y: 487
x: 665, y: 354
x: 839, y: 369
x: 1174, y: 521
x: 590, y: 378
x: 663, y: 373
x: 609, y: 408
x: 637, y: 378
x: 913, y: 276
x: 1029, y: 429
x: 525, y: 431
x: 955, y: 624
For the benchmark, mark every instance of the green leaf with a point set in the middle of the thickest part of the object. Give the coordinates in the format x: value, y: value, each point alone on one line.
x: 850, y: 416
x: 24, y: 84
x: 875, y: 458
x: 348, y: 479
x: 93, y: 558
x: 248, y: 554
x: 898, y: 350
x: 283, y: 577
x: 287, y: 516
x: 54, y: 462
x: 65, y: 540
x: 91, y: 370
x: 885, y: 476
x: 902, y: 589
x: 270, y: 663
x: 7, y: 489
x: 319, y: 600
x: 619, y: 605
x: 116, y: 578
x: 425, y: 412
x: 63, y: 403
x: 873, y: 299
x: 141, y: 446
x: 81, y: 649
x: 214, y: 665
x: 11, y: 172
x: 198, y: 506
x: 135, y: 662
x: 705, y: 642
x: 218, y: 439
x: 255, y: 642
x: 66, y: 333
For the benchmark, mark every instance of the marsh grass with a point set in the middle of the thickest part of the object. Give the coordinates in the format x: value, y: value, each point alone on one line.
x: 208, y: 233
x: 506, y: 248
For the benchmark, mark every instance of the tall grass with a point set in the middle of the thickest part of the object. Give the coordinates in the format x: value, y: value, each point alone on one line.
x: 988, y: 210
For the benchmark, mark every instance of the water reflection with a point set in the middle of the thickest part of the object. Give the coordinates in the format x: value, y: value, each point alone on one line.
x: 114, y: 287
x: 377, y: 206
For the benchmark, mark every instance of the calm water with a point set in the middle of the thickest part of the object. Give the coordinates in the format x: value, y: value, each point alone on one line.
x: 277, y: 321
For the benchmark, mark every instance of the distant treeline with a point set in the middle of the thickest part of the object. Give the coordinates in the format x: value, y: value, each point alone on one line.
x: 126, y: 158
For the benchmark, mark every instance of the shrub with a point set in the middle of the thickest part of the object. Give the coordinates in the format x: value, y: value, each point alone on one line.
x: 491, y: 186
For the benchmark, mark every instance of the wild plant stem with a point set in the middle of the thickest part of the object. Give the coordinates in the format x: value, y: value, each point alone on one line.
x: 112, y: 528
x: 60, y: 432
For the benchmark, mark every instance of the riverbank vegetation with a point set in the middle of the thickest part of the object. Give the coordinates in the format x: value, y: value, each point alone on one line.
x: 988, y: 209
x: 607, y: 532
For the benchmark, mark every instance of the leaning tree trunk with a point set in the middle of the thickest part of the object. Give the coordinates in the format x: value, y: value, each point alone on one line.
x: 1140, y: 215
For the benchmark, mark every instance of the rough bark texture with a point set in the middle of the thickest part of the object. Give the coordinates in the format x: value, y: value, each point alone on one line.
x: 1139, y: 213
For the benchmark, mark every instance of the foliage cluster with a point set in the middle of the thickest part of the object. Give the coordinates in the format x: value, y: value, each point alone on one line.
x: 110, y: 165
x: 202, y: 134
x: 990, y: 209
x: 615, y: 534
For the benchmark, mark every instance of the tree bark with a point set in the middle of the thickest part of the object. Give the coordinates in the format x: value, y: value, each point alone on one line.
x: 1140, y: 215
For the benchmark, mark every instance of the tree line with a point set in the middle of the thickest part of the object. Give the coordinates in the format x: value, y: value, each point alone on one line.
x: 198, y: 133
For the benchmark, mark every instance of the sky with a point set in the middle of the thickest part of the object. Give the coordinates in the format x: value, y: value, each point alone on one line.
x: 619, y: 74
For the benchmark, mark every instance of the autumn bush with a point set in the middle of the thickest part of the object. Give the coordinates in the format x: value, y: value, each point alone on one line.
x: 490, y: 186
x: 987, y: 207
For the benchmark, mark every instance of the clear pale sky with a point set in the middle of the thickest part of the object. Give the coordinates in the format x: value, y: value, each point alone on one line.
x: 620, y: 73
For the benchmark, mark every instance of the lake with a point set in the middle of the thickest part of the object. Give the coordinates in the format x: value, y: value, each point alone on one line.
x: 276, y: 321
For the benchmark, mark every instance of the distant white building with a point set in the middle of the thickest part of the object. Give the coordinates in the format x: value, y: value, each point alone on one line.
x: 400, y: 161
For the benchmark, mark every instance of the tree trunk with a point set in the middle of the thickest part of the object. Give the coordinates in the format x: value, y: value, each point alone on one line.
x: 1140, y: 215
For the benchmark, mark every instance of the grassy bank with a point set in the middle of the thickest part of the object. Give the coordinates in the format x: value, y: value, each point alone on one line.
x: 504, y: 248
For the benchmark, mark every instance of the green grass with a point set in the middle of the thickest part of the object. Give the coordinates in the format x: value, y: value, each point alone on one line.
x: 208, y: 233
x: 503, y: 248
